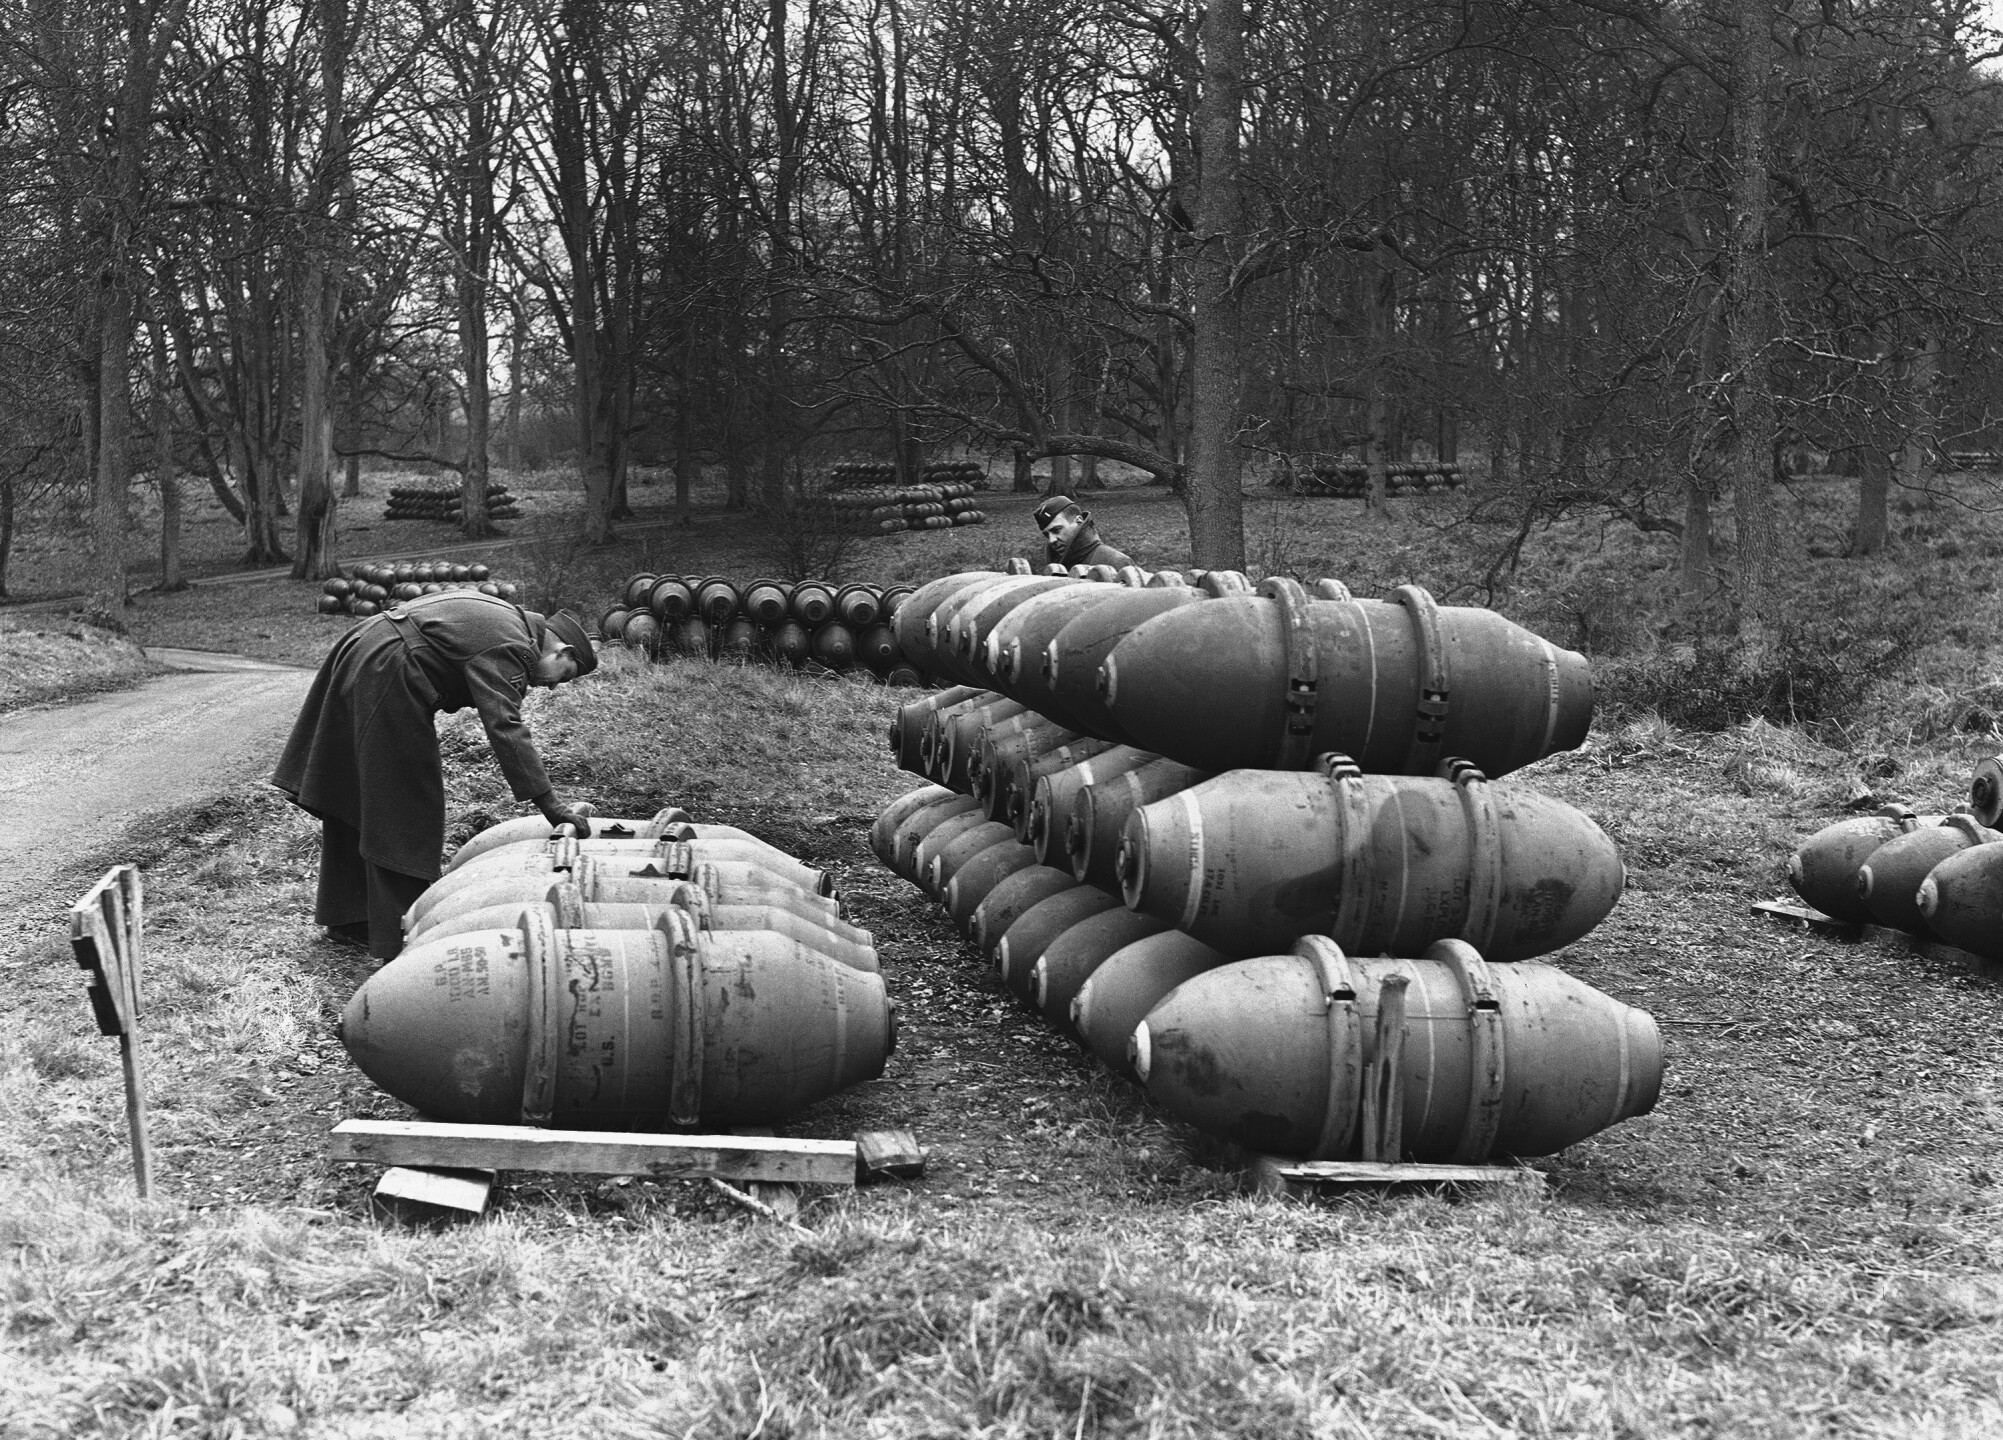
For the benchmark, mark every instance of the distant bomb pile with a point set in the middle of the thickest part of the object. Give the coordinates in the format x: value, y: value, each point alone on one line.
x: 658, y: 973
x: 1173, y: 816
x: 868, y: 474
x: 796, y: 623
x: 911, y: 507
x: 368, y: 588
x: 1939, y: 876
x: 445, y: 504
x: 1401, y: 478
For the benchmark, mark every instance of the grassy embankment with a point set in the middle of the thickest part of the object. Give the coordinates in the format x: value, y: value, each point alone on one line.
x: 1802, y: 1240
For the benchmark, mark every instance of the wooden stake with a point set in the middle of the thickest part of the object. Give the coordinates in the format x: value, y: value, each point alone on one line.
x: 107, y: 927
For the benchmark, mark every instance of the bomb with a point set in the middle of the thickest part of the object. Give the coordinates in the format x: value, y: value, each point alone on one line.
x: 1889, y: 882
x: 1382, y: 863
x: 1498, y: 1059
x: 1961, y: 900
x: 1824, y: 870
x: 617, y: 1029
x: 1269, y: 681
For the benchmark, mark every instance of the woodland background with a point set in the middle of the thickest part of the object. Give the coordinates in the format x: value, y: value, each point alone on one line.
x: 1639, y: 260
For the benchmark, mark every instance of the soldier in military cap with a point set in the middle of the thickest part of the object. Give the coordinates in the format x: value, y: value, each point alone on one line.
x: 1071, y: 538
x: 363, y: 755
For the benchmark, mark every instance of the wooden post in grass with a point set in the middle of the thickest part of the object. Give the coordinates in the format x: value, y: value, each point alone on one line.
x: 106, y: 926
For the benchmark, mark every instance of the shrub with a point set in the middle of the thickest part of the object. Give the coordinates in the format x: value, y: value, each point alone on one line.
x: 1818, y: 671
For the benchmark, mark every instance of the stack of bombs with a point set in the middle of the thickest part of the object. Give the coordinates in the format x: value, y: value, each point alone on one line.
x: 866, y: 474
x: 1401, y: 477
x: 912, y: 507
x: 446, y: 503
x: 839, y: 627
x: 1203, y: 828
x: 1938, y: 876
x: 370, y: 587
x: 657, y: 973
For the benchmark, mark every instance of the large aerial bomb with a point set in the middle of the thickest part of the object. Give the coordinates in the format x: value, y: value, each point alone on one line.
x: 534, y: 827
x: 666, y: 852
x: 617, y: 1029
x: 972, y: 620
x: 938, y: 838
x: 883, y: 834
x: 1038, y: 927
x: 1824, y: 870
x: 1385, y: 864
x: 1985, y: 792
x: 857, y: 606
x: 1010, y: 901
x: 670, y: 598
x: 812, y: 603
x: 952, y: 739
x: 916, y: 828
x: 790, y: 642
x: 974, y: 880
x: 992, y: 769
x: 1269, y: 681
x: 909, y: 725
x: 911, y: 621
x: 765, y: 601
x: 716, y: 600
x: 1499, y: 1060
x: 1073, y: 957
x: 646, y: 838
x: 1889, y: 882
x: 1055, y: 798
x: 947, y: 860
x: 825, y: 935
x: 1961, y: 900
x: 1099, y: 816
x: 1067, y: 667
x: 876, y: 647
x: 612, y: 879
x: 1118, y: 995
x: 1029, y: 771
x: 833, y: 645
x: 967, y: 744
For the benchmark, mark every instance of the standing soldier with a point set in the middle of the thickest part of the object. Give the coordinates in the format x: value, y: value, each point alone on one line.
x: 363, y: 755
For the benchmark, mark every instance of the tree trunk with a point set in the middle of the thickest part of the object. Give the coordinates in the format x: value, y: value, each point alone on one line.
x: 1216, y: 508
x: 1023, y: 482
x: 778, y: 297
x: 1748, y: 312
x: 163, y: 463
x: 6, y: 529
x: 1874, y: 489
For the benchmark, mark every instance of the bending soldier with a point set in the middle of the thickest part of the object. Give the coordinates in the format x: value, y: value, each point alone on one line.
x: 363, y: 754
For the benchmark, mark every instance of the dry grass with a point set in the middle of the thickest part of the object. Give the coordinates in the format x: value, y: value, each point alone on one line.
x: 46, y: 662
x: 1803, y: 1239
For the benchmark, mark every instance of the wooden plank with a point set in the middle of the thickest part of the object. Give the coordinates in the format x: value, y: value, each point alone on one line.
x: 1298, y: 1179
x: 451, y: 1189
x: 1842, y: 930
x: 106, y: 927
x: 889, y: 1152
x: 1384, y: 1077
x: 431, y: 1145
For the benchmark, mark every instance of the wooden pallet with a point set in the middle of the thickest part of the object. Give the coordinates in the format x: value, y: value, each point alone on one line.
x: 454, y: 1165
x: 1811, y: 919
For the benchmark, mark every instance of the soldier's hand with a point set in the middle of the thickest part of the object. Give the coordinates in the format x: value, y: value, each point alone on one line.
x: 578, y: 817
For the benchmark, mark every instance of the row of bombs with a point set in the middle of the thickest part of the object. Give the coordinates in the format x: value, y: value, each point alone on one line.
x: 838, y: 627
x: 1411, y: 478
x: 911, y: 507
x: 656, y: 974
x: 1225, y: 675
x: 1155, y: 914
x: 1939, y: 876
x: 371, y: 586
x: 422, y: 502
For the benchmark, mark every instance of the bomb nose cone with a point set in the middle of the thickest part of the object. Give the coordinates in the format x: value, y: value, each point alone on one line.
x: 1928, y: 897
x: 442, y: 1027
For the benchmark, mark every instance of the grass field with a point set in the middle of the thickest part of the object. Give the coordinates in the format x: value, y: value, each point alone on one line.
x: 1804, y: 1239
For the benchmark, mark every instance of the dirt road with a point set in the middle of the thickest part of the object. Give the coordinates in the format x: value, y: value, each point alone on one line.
x: 73, y: 773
